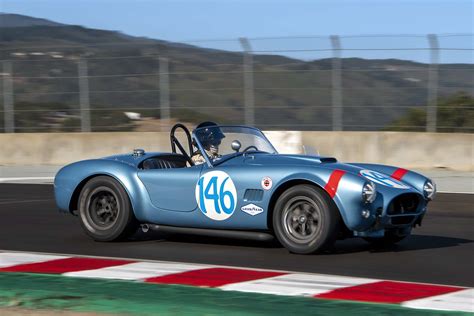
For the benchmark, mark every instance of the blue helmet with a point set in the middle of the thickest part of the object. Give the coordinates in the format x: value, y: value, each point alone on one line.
x: 209, y: 133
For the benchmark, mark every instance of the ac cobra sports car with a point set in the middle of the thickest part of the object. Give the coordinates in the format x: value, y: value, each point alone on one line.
x: 229, y: 181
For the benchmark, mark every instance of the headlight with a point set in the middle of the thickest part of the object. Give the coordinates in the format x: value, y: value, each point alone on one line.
x: 368, y: 192
x: 429, y: 189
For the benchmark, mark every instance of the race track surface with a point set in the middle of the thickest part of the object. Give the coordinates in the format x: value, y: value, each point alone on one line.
x: 441, y: 251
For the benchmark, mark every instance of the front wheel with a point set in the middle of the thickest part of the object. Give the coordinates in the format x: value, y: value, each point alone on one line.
x: 305, y: 220
x: 105, y: 210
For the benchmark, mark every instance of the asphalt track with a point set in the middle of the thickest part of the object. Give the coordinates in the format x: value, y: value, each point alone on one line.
x: 441, y: 251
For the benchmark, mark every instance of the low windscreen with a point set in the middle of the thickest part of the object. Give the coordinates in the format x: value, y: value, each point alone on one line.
x: 219, y: 141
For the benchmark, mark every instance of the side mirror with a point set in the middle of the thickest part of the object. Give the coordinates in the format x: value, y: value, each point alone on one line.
x: 236, y: 145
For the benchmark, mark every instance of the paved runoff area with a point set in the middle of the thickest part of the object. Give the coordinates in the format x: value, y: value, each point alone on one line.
x: 448, y: 181
x: 320, y: 286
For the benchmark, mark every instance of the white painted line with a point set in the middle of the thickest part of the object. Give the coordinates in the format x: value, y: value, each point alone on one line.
x: 462, y: 301
x: 3, y: 180
x: 9, y: 259
x: 454, y: 192
x: 297, y: 284
x: 25, y: 201
x: 135, y: 271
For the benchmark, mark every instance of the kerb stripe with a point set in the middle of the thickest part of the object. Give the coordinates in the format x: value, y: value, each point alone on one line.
x: 388, y: 292
x: 60, y: 266
x: 213, y: 277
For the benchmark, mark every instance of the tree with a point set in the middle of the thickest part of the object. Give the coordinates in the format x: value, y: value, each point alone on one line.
x: 455, y: 114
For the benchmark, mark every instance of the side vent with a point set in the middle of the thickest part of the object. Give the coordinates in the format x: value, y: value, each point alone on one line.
x: 253, y: 195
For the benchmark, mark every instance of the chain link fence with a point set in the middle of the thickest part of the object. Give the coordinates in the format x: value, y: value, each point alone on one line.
x: 334, y: 82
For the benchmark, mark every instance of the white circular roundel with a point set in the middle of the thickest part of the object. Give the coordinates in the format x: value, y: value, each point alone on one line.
x: 382, y: 179
x: 216, y: 195
x: 267, y: 183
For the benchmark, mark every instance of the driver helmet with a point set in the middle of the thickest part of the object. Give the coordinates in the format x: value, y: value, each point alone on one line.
x: 210, y: 135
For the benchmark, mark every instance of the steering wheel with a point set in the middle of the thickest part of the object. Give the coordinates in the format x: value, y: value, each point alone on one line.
x: 250, y: 147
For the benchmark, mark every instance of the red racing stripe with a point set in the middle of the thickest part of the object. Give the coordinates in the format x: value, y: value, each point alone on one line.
x: 59, y: 266
x: 213, y: 277
x: 333, y: 182
x: 399, y: 173
x: 387, y: 292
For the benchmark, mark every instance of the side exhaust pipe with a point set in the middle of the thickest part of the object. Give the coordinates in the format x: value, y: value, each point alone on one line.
x: 145, y: 228
x: 237, y: 234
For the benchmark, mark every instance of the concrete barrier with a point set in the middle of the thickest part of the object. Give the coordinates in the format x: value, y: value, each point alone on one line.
x: 408, y: 150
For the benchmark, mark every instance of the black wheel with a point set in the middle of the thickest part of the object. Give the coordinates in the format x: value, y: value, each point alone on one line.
x: 305, y: 220
x: 105, y: 210
x: 390, y: 238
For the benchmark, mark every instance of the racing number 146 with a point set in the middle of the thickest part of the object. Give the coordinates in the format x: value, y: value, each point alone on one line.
x: 217, y: 195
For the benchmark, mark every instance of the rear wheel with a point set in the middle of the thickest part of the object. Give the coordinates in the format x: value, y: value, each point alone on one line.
x: 105, y: 210
x: 305, y: 220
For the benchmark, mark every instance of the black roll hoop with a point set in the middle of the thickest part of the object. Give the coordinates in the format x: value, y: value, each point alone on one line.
x: 175, y: 142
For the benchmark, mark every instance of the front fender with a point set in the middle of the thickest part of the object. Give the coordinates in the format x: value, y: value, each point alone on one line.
x: 348, y: 196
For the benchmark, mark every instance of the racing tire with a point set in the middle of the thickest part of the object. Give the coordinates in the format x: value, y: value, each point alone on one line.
x: 305, y: 220
x: 390, y: 238
x: 105, y: 210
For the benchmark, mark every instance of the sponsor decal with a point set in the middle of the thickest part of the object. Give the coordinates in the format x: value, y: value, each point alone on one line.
x: 251, y: 209
x: 267, y: 183
x: 216, y: 195
x: 382, y: 179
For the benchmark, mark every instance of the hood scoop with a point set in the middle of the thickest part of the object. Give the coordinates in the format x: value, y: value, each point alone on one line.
x: 327, y: 159
x: 317, y: 159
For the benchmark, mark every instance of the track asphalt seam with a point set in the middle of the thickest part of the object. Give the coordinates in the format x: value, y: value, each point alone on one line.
x: 412, y: 295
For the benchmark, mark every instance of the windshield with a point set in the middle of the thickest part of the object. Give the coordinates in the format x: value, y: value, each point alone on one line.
x: 221, y: 141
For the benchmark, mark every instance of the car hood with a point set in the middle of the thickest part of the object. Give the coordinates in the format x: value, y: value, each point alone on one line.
x: 282, y: 159
x: 381, y: 175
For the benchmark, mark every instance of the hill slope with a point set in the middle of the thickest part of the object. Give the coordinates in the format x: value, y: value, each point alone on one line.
x: 205, y: 83
x: 18, y: 20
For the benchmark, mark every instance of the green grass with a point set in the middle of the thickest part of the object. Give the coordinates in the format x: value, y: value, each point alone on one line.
x: 50, y: 292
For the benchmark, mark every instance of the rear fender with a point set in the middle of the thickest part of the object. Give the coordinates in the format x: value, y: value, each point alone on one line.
x: 69, y: 182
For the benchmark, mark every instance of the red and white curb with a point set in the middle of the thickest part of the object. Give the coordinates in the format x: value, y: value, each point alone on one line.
x: 413, y: 295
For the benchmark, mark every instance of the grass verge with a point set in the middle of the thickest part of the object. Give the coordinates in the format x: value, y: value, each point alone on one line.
x: 52, y: 292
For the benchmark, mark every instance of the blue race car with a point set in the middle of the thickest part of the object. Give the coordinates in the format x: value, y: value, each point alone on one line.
x: 231, y: 182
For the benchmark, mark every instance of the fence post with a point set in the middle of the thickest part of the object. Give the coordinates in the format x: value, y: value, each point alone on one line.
x: 336, y: 79
x: 164, y: 88
x: 432, y: 106
x: 84, y: 95
x: 8, y: 103
x: 249, y: 97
